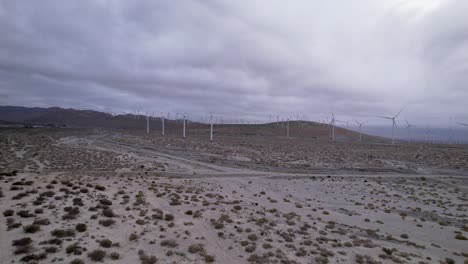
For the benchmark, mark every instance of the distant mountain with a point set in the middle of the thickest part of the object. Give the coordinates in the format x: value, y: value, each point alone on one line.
x: 61, y: 117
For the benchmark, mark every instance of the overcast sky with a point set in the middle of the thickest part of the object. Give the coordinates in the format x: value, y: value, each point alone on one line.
x: 357, y: 58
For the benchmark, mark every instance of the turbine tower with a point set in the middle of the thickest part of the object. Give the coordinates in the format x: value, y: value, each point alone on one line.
x: 183, y: 128
x: 408, y: 128
x: 211, y: 128
x: 162, y: 123
x: 333, y: 126
x: 360, y: 128
x: 394, y: 125
x: 147, y: 124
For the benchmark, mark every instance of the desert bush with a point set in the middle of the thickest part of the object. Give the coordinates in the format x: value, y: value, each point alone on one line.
x: 41, y: 221
x: 100, y: 188
x: 145, y: 259
x: 34, y: 258
x: 74, y: 249
x: 158, y: 214
x: 105, y: 243
x: 62, y: 232
x: 209, y: 258
x: 108, y: 213
x: 252, y: 237
x: 72, y: 213
x: 169, y: 217
x: 47, y: 194
x: 169, y: 243
x: 106, y: 222
x: 81, y: 227
x: 25, y: 214
x: 33, y: 228
x: 196, y: 248
x: 132, y: 237
x: 25, y: 241
x: 114, y: 255
x: 51, y: 249
x: 22, y: 245
x: 8, y: 212
x: 77, y: 261
x: 105, y: 201
x: 97, y: 255
x: 54, y: 241
x: 78, y: 201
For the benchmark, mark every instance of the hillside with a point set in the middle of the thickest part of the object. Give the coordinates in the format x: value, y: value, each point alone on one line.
x: 93, y: 119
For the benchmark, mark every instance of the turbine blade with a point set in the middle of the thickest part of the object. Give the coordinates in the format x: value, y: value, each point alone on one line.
x: 463, y: 124
x: 386, y: 117
x: 400, y: 111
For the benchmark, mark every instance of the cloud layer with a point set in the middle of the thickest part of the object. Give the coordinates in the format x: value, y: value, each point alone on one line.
x: 238, y: 59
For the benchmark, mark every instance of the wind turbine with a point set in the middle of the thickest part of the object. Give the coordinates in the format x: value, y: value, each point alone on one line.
x: 394, y: 125
x: 333, y: 121
x: 408, y: 128
x: 360, y: 128
x: 147, y: 124
x: 211, y: 128
x: 183, y: 132
x: 162, y: 123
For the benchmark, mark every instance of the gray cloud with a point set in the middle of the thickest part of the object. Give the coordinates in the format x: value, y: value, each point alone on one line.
x: 357, y: 58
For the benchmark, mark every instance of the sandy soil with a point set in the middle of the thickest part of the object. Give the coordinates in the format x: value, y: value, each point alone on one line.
x: 126, y: 198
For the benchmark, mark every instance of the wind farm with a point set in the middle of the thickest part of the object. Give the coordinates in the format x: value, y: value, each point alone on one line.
x: 233, y: 132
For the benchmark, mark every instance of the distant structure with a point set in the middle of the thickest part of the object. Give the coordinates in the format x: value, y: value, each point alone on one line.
x: 463, y: 124
x: 147, y: 125
x: 394, y: 125
x: 162, y: 123
x: 211, y: 128
x: 408, y: 128
x: 183, y: 128
x: 360, y: 128
x: 333, y: 123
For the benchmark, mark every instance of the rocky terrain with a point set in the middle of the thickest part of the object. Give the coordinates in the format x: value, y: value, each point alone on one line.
x: 90, y: 196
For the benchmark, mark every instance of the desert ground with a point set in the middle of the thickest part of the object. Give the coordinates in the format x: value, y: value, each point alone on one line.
x: 89, y: 196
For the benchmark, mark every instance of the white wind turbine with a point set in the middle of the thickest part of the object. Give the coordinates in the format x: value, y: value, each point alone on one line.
x: 162, y: 123
x: 183, y: 128
x: 394, y: 125
x: 211, y: 128
x: 360, y: 128
x: 147, y: 124
x: 408, y: 128
x: 463, y: 124
x: 332, y: 123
